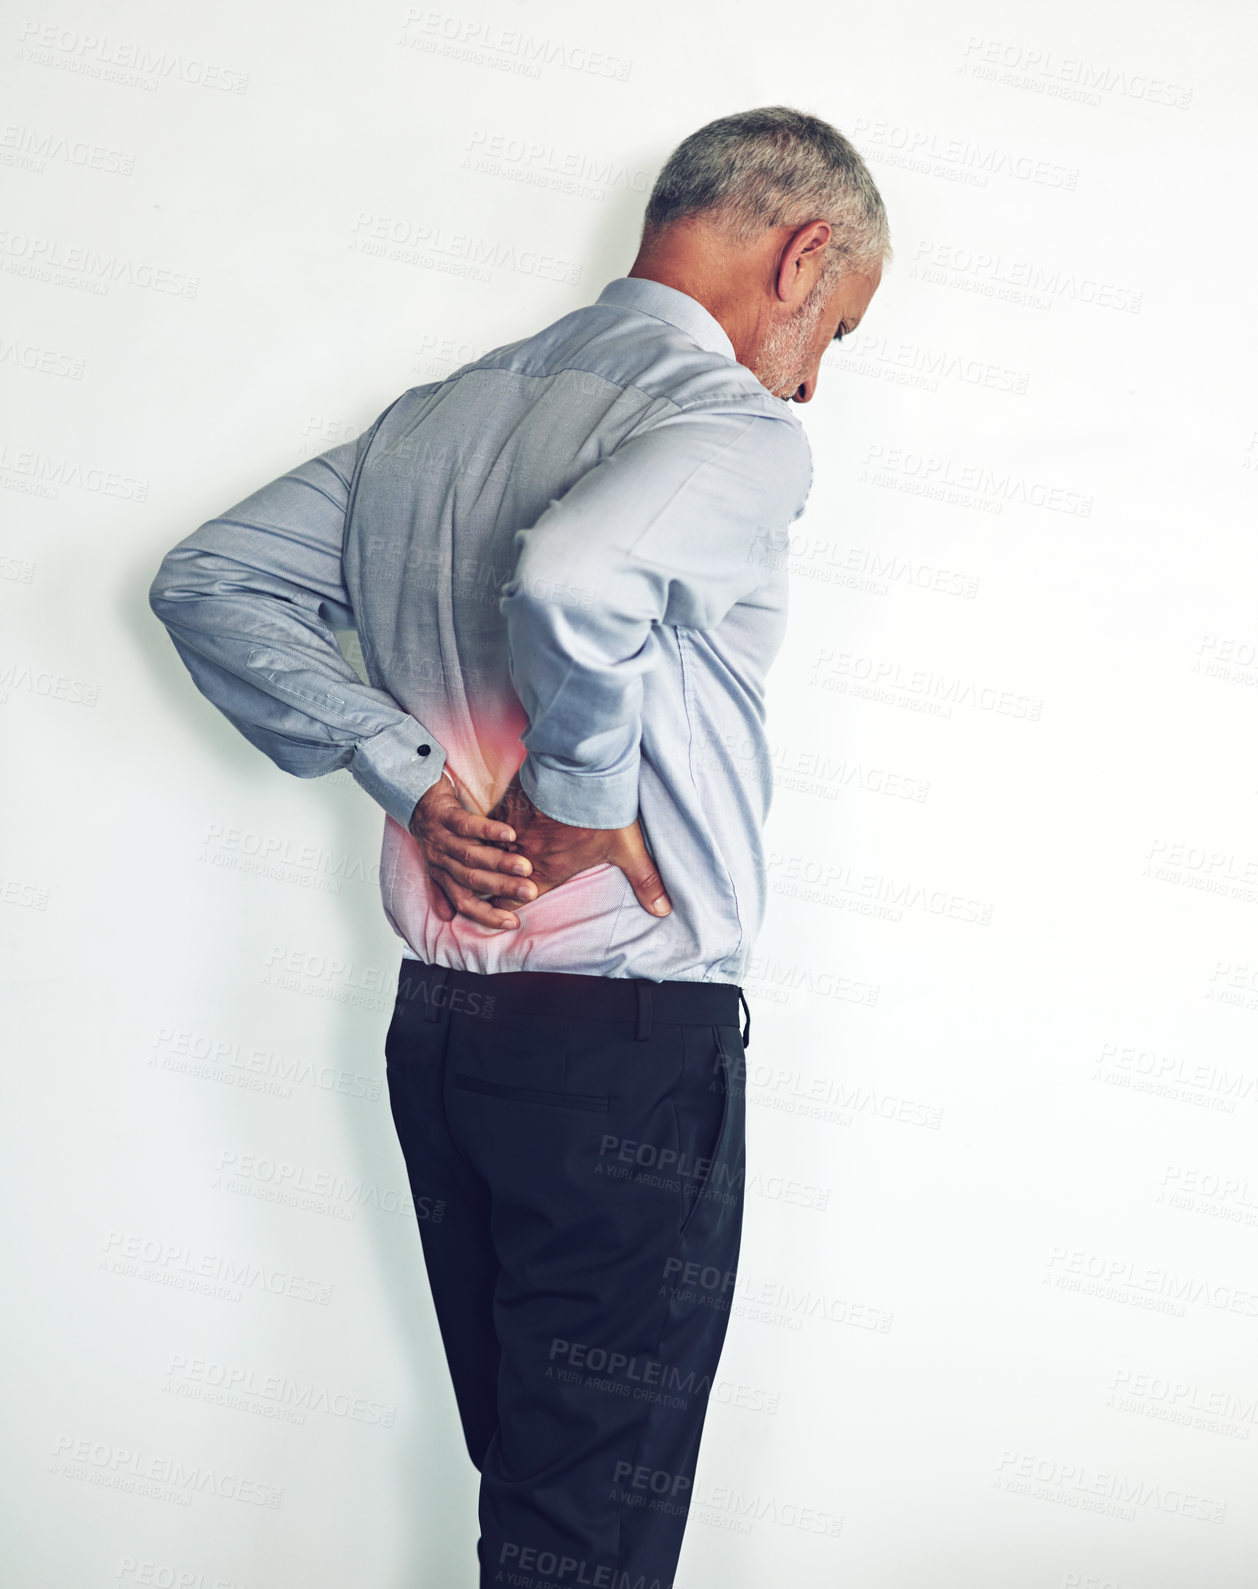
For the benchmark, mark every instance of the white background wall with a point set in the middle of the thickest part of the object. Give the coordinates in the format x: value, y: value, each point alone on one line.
x: 998, y: 1304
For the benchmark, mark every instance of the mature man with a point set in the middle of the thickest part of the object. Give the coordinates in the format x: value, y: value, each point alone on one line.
x: 566, y: 566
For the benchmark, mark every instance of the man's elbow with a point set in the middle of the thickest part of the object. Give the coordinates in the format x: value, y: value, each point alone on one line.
x: 175, y: 581
x: 553, y: 595
x: 160, y: 591
x: 524, y: 606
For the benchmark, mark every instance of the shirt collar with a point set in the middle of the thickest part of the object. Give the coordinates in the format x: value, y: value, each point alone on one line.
x: 672, y: 305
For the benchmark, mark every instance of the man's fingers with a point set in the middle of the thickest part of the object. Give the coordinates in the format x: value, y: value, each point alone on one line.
x: 478, y: 910
x: 462, y: 859
x: 507, y: 903
x: 487, y: 856
x: 463, y: 852
x: 469, y: 826
x: 492, y: 832
x: 482, y: 880
x: 440, y: 899
x: 485, y: 829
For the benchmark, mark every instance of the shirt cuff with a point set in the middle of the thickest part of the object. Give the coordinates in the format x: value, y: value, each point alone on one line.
x: 582, y: 800
x: 398, y: 765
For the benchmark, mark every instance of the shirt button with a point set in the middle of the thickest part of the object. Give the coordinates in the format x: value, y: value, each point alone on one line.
x: 424, y: 750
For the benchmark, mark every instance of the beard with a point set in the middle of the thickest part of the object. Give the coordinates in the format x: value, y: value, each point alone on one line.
x: 782, y: 362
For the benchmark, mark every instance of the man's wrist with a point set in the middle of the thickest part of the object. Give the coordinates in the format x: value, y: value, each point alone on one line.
x: 445, y: 771
x: 398, y: 766
x: 601, y: 802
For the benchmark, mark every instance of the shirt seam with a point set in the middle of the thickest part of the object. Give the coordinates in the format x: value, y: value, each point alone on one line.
x: 701, y: 404
x: 682, y: 642
x: 636, y: 308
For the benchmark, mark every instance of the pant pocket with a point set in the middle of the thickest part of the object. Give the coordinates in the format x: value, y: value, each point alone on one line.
x: 597, y: 1102
x: 712, y: 1173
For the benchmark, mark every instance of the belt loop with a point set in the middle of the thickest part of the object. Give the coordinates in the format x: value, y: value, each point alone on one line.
x: 644, y: 1009
x: 433, y: 1012
x: 746, y: 1033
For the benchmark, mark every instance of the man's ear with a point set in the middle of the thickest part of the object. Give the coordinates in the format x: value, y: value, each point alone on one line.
x: 799, y: 263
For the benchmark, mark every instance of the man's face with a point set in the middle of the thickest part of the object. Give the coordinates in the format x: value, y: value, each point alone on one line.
x: 789, y: 359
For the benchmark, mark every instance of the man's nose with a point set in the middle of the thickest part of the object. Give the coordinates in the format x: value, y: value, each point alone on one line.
x: 803, y: 392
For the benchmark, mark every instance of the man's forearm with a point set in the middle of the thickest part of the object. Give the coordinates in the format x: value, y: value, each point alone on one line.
x: 584, y: 723
x: 252, y: 601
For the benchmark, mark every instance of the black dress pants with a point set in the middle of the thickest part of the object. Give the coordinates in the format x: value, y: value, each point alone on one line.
x: 575, y: 1149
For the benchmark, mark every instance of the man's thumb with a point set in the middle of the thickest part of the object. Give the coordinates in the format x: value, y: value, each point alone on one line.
x: 645, y: 880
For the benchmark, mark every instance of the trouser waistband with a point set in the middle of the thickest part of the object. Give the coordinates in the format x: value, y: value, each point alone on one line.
x: 577, y: 996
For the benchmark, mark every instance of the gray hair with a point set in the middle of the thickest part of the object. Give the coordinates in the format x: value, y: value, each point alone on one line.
x: 775, y: 167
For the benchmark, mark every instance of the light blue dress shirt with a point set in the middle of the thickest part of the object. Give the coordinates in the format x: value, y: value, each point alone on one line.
x: 568, y: 557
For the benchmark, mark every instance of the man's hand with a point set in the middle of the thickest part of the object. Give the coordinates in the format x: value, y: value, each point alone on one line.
x: 558, y: 852
x: 465, y: 855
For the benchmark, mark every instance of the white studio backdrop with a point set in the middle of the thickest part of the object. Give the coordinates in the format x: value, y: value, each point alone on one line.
x: 997, y: 1313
